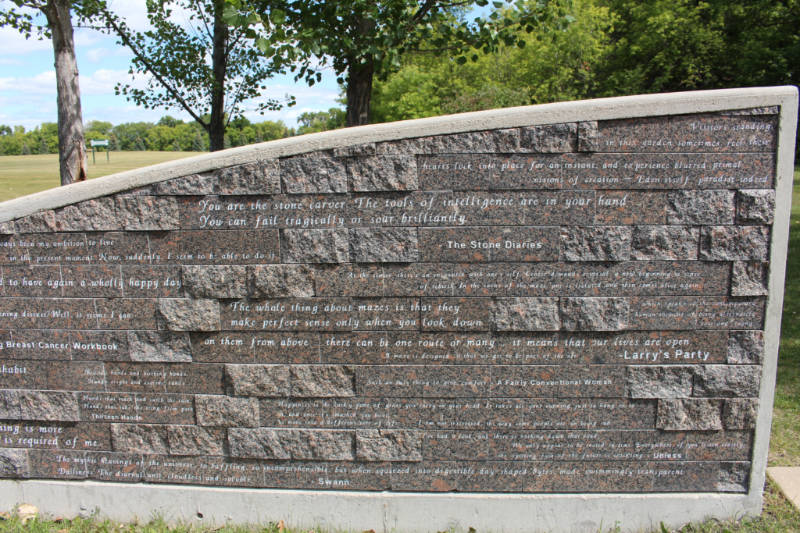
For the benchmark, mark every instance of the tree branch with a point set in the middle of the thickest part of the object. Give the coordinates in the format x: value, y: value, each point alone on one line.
x: 205, y: 22
x: 127, y: 41
x: 422, y: 11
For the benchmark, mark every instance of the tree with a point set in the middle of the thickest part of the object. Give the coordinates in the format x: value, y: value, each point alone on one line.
x: 269, y: 130
x: 198, y: 144
x: 362, y: 39
x: 679, y: 45
x: 314, y: 121
x: 556, y: 63
x: 58, y: 27
x: 663, y: 45
x: 127, y: 134
x: 762, y: 35
x: 46, y: 136
x: 180, y: 76
x: 102, y: 128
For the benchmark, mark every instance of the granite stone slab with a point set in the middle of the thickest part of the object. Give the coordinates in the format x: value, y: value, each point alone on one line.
x: 152, y: 281
x: 674, y: 171
x: 460, y: 414
x: 21, y: 374
x: 258, y: 347
x: 99, y: 345
x: 159, y: 346
x: 177, y: 378
x: 387, y: 314
x: 684, y: 133
x: 564, y: 348
x: 46, y: 248
x: 755, y: 206
x: 37, y: 344
x: 745, y: 347
x: 542, y: 279
x: 291, y: 314
x: 500, y: 140
x: 262, y: 177
x: 216, y: 471
x: 318, y: 173
x: 749, y: 278
x: 39, y: 281
x: 269, y: 281
x: 456, y: 314
x: 194, y: 440
x: 191, y: 185
x: 409, y: 209
x: 384, y: 173
x: 141, y: 213
x: 56, y: 436
x: 130, y: 247
x: 77, y: 376
x: 586, y: 445
x: 740, y: 413
x: 627, y: 207
x: 138, y: 408
x: 489, y: 244
x: 215, y: 248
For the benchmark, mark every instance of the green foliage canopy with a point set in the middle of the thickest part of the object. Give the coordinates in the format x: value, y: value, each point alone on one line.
x: 678, y: 45
x: 555, y: 62
x: 316, y: 121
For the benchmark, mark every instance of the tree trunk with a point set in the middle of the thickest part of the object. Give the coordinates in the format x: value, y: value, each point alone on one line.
x: 71, y: 144
x: 359, y: 92
x: 219, y: 66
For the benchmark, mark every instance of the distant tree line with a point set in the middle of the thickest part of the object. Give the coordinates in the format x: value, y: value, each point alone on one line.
x: 167, y: 135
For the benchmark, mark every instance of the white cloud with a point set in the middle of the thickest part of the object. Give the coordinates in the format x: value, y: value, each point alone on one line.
x: 85, y: 37
x: 99, y: 82
x: 95, y: 55
x: 42, y: 83
x: 133, y: 12
x: 102, y: 81
x: 14, y: 44
x: 118, y: 114
x: 105, y: 54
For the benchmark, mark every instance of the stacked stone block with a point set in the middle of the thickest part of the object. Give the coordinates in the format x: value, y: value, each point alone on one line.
x: 556, y: 308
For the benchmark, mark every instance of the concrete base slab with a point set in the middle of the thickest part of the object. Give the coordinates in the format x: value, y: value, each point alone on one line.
x: 788, y: 480
x: 381, y: 512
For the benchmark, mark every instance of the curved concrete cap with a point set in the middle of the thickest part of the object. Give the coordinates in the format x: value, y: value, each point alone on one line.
x: 600, y: 109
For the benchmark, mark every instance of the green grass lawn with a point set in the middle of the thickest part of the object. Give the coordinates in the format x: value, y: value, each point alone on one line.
x: 779, y: 516
x: 785, y: 440
x: 27, y: 174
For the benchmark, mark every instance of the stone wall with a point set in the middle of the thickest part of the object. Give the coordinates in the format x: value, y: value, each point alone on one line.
x: 569, y: 307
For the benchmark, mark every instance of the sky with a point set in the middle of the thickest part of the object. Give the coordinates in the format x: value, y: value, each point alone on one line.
x: 28, y: 80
